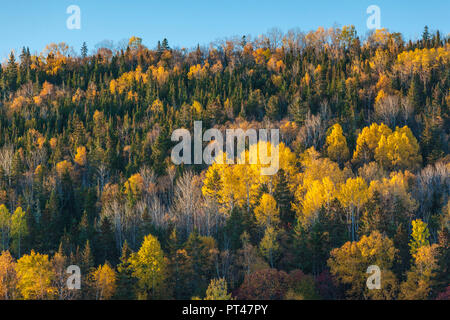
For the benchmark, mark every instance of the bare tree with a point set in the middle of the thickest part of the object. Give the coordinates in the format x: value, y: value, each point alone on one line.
x: 188, y: 201
x: 312, y: 133
x: 6, y: 159
x: 114, y: 210
x: 388, y: 109
x: 432, y: 189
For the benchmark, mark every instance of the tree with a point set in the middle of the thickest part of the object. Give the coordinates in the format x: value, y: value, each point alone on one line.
x: 35, y: 277
x: 218, y: 290
x: 273, y: 108
x: 149, y: 267
x: 368, y: 140
x: 59, y: 267
x: 84, y: 50
x: 8, y: 277
x: 267, y: 284
x: 399, y: 150
x: 349, y: 263
x: 125, y: 280
x: 353, y: 195
x: 11, y: 73
x: 104, y: 282
x: 80, y: 157
x: 301, y: 287
x: 420, y: 279
x: 19, y: 228
x: 284, y: 198
x: 266, y: 213
x: 337, y: 148
x: 269, y: 245
x: 5, y: 224
x: 420, y: 235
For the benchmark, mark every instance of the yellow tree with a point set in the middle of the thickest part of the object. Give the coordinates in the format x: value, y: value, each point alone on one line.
x: 319, y: 194
x: 63, y: 167
x: 398, y: 150
x: 337, y: 149
x: 420, y: 235
x: 367, y: 141
x: 80, y: 157
x: 218, y: 290
x: 19, y: 228
x: 149, y: 267
x: 103, y: 280
x: 8, y: 277
x: 420, y: 279
x: 349, y: 265
x: 352, y: 196
x: 35, y: 275
x: 134, y: 185
x: 267, y: 213
x: 269, y: 245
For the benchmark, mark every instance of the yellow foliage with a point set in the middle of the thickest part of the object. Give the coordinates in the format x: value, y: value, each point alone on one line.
x: 134, y: 184
x: 267, y: 213
x: 422, y: 60
x: 80, y: 157
x: 197, y: 71
x: 275, y: 65
x: 53, y: 142
x: 399, y: 150
x: 125, y: 81
x: 35, y: 275
x: 8, y: 278
x: 426, y: 259
x: 368, y: 139
x: 353, y: 194
x: 319, y: 193
x: 63, y: 167
x: 197, y: 107
x: 337, y: 148
x: 349, y: 262
x: 149, y: 266
x: 159, y: 74
x: 104, y: 282
x: 261, y: 55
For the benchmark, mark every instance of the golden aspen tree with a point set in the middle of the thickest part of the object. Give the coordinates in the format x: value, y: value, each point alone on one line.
x: 267, y: 213
x: 421, y: 278
x: 218, y: 290
x: 269, y: 245
x: 367, y: 141
x: 398, y: 150
x: 35, y: 277
x: 420, y: 236
x: 337, y: 149
x: 103, y: 280
x: 349, y: 263
x: 134, y: 185
x: 319, y: 194
x: 80, y: 156
x: 8, y: 277
x: 19, y: 228
x: 64, y: 167
x: 149, y: 267
x: 352, y: 196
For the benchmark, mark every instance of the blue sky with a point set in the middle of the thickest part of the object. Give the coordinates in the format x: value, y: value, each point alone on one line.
x: 185, y: 23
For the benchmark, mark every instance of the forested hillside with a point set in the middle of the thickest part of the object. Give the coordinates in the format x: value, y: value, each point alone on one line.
x: 86, y: 176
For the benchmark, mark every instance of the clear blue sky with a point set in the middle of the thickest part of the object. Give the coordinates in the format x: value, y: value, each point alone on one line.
x: 185, y: 23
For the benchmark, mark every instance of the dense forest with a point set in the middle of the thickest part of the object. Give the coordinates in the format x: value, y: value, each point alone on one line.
x: 86, y: 177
